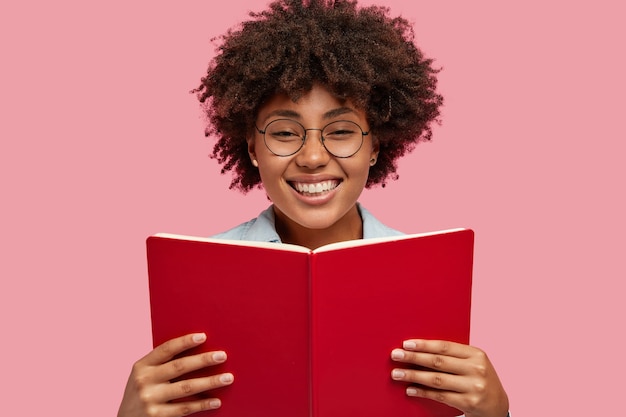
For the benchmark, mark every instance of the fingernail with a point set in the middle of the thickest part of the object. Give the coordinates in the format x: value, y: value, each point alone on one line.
x: 409, y: 344
x: 199, y: 337
x: 397, y: 374
x: 215, y: 403
x: 411, y: 392
x: 397, y: 354
x: 226, y: 378
x: 219, y: 356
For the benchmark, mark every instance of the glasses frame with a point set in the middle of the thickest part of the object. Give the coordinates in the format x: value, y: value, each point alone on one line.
x: 322, y: 139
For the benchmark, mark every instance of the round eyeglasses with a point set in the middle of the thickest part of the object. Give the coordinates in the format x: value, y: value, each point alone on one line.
x: 285, y: 137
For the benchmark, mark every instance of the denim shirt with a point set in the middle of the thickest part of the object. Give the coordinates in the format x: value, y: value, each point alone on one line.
x: 263, y: 229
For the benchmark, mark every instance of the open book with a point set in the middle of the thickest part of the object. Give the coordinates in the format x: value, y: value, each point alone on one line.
x: 310, y: 333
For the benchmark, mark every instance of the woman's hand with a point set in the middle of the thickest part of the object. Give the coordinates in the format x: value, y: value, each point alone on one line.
x: 149, y: 391
x: 458, y: 375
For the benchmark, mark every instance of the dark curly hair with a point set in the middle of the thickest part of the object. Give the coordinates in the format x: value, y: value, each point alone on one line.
x: 358, y: 53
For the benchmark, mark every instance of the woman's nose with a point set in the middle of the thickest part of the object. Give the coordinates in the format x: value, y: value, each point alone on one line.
x: 313, y: 153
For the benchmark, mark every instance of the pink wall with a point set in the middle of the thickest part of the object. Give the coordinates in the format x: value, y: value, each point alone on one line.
x: 102, y: 145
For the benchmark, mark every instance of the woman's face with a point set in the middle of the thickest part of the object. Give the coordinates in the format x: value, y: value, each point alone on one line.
x: 312, y: 168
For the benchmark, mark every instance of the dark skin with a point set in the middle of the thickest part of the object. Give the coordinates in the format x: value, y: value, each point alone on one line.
x: 293, y: 233
x: 149, y: 390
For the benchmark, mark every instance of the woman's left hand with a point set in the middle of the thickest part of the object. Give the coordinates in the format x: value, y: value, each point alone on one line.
x: 458, y: 375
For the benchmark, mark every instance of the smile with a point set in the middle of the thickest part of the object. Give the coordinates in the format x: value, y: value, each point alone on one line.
x: 315, y: 188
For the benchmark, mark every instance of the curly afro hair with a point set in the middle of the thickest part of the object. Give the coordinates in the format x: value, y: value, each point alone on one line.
x: 358, y: 53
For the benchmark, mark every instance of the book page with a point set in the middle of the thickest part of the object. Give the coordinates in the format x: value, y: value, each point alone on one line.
x: 267, y: 245
x: 301, y: 249
x: 376, y: 240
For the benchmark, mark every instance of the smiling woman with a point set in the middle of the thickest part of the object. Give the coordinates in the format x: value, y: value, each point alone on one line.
x: 304, y: 215
x: 313, y: 101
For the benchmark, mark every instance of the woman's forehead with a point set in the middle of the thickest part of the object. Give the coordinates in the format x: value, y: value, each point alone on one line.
x: 319, y: 100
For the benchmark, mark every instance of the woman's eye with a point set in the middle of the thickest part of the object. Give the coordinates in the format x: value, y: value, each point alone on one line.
x: 340, y: 134
x: 284, y: 133
x: 285, y: 136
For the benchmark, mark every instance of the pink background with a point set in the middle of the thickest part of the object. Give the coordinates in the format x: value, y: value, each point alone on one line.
x: 102, y: 145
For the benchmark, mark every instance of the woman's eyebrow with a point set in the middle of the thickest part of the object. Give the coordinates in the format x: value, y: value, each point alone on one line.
x: 291, y: 114
x: 338, y: 112
x: 295, y: 115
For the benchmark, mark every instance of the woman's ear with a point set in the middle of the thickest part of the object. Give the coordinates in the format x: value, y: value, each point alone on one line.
x: 375, y: 150
x: 252, y: 151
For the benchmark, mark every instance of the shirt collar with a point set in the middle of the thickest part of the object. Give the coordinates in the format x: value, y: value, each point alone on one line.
x: 264, y: 228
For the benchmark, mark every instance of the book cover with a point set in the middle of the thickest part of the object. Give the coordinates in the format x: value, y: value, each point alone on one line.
x: 309, y: 333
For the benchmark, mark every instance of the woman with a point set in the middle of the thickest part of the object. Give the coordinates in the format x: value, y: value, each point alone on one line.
x: 314, y: 101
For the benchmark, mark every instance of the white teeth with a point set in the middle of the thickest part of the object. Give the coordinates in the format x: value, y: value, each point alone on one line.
x: 319, y: 187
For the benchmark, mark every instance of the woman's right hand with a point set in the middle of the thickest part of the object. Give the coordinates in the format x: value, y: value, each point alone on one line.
x: 149, y: 391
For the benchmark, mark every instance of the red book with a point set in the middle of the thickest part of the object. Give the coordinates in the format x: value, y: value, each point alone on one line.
x: 310, y: 333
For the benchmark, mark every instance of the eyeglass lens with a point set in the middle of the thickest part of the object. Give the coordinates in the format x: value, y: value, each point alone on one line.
x: 285, y: 137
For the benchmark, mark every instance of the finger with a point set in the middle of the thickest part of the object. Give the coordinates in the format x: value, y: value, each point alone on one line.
x: 166, y: 351
x: 453, y: 399
x: 187, y: 387
x: 186, y: 364
x: 436, y: 380
x: 440, y: 347
x: 432, y: 361
x: 186, y: 408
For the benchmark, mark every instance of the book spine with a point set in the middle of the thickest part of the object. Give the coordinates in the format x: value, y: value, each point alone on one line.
x: 313, y: 409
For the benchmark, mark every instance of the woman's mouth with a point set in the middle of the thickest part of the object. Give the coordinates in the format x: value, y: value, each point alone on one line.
x: 317, y: 188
